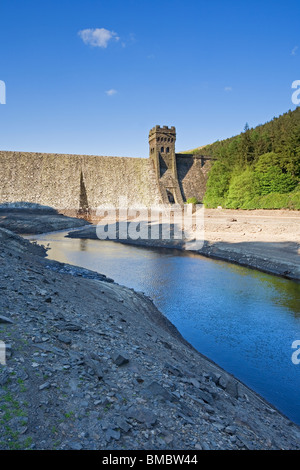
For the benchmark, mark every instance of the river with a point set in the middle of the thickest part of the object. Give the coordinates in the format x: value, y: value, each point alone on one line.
x: 242, y: 319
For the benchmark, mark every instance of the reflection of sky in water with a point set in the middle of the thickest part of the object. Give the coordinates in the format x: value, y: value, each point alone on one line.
x: 242, y: 319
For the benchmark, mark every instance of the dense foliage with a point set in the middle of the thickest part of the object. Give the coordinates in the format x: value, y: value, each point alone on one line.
x: 258, y: 169
x: 193, y: 200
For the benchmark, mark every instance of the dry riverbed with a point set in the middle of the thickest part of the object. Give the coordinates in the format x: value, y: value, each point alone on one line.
x: 94, y: 365
x: 268, y: 240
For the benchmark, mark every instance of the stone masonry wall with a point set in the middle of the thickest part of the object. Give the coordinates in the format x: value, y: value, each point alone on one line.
x: 74, y: 182
x: 192, y: 174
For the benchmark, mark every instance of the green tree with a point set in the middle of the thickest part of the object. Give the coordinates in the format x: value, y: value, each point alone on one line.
x: 274, y: 174
x: 217, y: 185
x: 271, y: 152
x: 242, y: 188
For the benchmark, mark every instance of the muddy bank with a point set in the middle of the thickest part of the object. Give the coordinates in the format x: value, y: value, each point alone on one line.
x: 94, y: 365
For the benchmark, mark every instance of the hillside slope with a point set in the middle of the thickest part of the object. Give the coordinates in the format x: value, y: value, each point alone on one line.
x: 259, y: 168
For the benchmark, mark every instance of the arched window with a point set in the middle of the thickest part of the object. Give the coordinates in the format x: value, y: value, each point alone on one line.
x: 158, y: 139
x: 162, y: 150
x: 167, y: 149
x: 170, y: 196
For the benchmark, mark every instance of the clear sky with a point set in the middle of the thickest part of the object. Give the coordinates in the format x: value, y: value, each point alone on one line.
x: 93, y: 76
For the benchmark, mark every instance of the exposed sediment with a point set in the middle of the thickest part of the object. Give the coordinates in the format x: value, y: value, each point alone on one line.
x: 24, y: 218
x: 265, y: 240
x: 94, y: 365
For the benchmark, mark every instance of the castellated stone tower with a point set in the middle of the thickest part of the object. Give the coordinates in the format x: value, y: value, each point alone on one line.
x: 162, y: 153
x: 162, y: 149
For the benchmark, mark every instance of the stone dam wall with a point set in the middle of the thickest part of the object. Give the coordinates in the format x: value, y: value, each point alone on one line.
x: 75, y: 183
x: 192, y: 172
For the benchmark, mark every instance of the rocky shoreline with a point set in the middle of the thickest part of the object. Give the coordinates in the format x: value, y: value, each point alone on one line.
x: 29, y: 218
x: 92, y: 365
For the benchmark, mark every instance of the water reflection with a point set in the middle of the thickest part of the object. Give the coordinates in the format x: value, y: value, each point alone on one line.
x: 242, y: 319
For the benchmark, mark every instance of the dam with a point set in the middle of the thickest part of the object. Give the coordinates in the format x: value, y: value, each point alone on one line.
x: 78, y: 184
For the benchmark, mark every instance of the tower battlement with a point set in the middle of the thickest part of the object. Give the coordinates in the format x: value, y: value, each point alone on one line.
x: 162, y: 130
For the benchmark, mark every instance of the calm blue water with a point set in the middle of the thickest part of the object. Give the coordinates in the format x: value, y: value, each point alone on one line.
x: 242, y: 319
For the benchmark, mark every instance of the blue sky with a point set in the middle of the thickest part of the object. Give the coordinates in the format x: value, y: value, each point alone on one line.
x: 93, y: 76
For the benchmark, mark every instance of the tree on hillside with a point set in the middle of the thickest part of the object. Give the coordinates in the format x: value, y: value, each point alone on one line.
x: 217, y: 185
x: 242, y: 188
x: 267, y: 156
x: 246, y: 147
x: 273, y: 174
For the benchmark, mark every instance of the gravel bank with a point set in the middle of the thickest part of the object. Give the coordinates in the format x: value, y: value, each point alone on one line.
x: 28, y: 218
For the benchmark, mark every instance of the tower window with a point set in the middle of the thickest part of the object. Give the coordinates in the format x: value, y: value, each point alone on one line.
x: 167, y: 149
x: 162, y: 150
